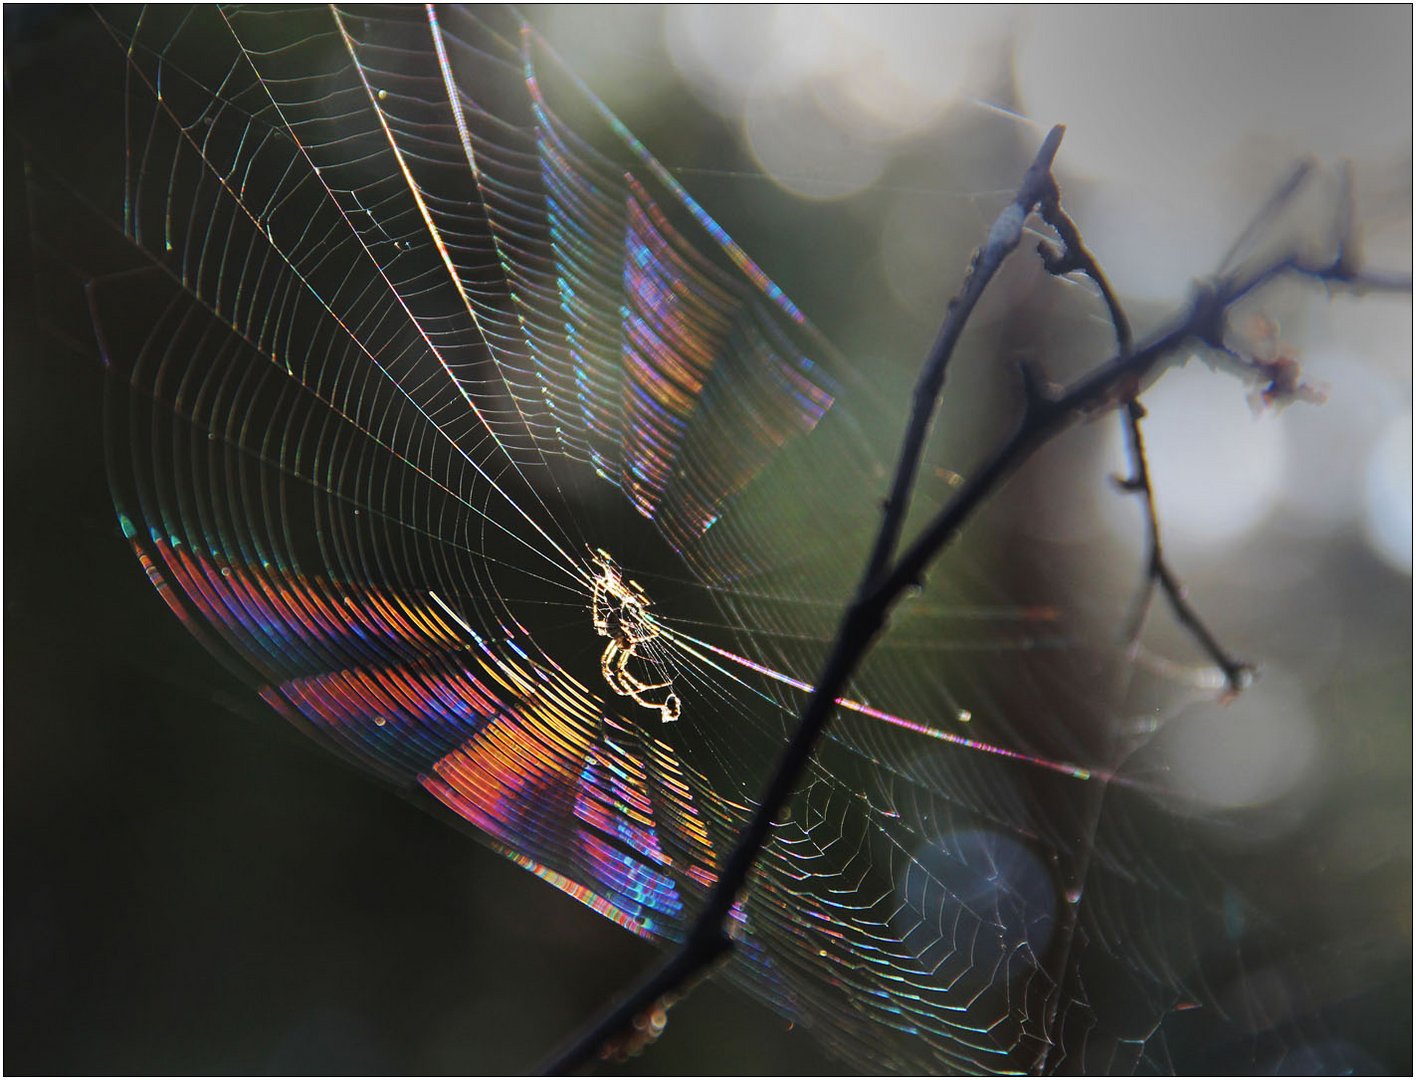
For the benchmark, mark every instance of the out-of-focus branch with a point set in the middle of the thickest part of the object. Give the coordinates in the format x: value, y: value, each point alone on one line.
x: 1202, y: 323
x: 1281, y: 196
x: 887, y: 575
x: 1158, y: 571
x: 1074, y: 256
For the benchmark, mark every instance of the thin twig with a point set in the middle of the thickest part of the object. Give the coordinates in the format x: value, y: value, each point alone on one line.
x: 1003, y: 239
x: 1044, y: 417
x: 1202, y: 323
x: 1266, y: 213
x: 1075, y: 256
x: 1158, y: 571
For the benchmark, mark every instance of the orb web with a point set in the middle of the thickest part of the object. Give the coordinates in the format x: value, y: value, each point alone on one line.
x: 462, y: 431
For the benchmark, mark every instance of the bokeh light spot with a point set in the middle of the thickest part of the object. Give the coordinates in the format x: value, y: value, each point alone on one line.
x: 799, y: 145
x: 1387, y: 495
x: 1216, y: 467
x: 1250, y: 753
x: 977, y: 909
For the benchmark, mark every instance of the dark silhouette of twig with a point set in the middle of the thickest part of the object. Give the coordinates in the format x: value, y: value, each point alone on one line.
x: 1158, y: 572
x: 885, y: 581
x: 1074, y: 256
x: 1281, y: 196
x: 1044, y: 417
x: 1003, y: 239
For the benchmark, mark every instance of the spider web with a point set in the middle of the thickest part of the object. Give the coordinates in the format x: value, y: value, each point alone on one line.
x: 425, y: 330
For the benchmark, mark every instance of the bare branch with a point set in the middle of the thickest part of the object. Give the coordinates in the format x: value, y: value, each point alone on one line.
x: 1202, y: 323
x: 1002, y: 240
x: 1282, y: 195
x: 1237, y: 673
x: 884, y: 581
x: 1075, y: 256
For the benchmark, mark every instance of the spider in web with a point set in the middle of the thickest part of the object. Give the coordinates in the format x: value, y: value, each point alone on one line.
x: 620, y: 611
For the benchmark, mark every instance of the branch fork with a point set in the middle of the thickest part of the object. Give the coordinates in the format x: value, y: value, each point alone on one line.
x: 890, y: 573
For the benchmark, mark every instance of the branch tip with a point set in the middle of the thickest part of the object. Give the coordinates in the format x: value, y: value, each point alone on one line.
x: 1129, y: 485
x: 1057, y: 260
x: 1050, y: 145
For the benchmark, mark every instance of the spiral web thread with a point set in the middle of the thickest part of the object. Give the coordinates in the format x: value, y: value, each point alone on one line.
x: 426, y: 330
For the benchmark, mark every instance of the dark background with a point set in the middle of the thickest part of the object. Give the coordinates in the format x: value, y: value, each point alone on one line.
x: 193, y: 886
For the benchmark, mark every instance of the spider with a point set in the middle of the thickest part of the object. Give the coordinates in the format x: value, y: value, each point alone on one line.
x: 620, y: 612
